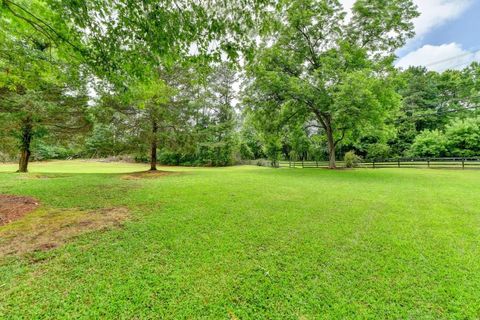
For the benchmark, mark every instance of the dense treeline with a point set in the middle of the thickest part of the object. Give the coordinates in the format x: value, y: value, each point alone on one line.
x: 263, y: 79
x: 438, y: 117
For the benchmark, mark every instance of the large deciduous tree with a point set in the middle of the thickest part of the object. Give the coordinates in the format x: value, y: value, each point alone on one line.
x: 326, y: 70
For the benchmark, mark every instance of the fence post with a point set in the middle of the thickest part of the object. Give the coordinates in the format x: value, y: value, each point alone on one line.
x: 373, y: 163
x: 302, y: 164
x: 428, y: 162
x: 398, y: 161
x: 463, y: 164
x: 316, y: 162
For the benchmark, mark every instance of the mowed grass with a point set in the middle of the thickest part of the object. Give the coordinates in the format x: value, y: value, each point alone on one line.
x: 253, y: 243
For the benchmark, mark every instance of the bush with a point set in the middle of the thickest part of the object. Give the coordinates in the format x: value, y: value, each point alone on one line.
x: 429, y: 144
x: 351, y: 159
x: 463, y: 137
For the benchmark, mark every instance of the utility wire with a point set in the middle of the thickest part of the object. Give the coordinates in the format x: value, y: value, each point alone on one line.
x: 453, y: 58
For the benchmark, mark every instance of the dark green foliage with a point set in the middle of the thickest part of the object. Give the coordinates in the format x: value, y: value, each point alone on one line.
x: 102, y: 142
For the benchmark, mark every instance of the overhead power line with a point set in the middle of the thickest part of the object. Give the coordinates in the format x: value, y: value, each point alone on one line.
x: 453, y: 58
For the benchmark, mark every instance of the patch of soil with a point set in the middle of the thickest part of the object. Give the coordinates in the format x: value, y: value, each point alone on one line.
x: 148, y: 175
x: 14, y: 207
x: 48, y: 229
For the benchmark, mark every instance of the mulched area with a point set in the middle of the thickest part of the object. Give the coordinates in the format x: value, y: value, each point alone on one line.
x: 14, y: 207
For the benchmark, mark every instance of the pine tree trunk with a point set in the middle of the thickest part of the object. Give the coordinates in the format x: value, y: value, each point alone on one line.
x: 27, y: 132
x: 153, y: 149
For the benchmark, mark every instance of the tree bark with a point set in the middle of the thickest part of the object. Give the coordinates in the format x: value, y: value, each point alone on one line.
x: 326, y: 122
x: 331, y: 148
x: 27, y: 133
x: 153, y: 149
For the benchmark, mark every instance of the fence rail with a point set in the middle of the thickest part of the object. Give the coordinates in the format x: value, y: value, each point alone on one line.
x: 463, y: 163
x: 459, y: 163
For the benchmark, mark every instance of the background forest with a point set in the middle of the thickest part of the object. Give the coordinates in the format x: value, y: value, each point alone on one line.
x: 287, y: 80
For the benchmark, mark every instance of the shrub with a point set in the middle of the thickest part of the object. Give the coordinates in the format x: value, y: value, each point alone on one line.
x: 429, y: 144
x: 463, y: 137
x: 351, y: 159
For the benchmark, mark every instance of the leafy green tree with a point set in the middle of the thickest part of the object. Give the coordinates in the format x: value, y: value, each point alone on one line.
x: 250, y: 141
x: 131, y: 39
x: 272, y: 147
x: 419, y: 110
x: 463, y: 137
x: 429, y: 143
x: 299, y: 144
x: 324, y: 70
x: 432, y: 100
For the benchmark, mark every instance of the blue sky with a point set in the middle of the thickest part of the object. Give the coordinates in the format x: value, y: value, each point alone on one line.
x: 447, y: 35
x: 463, y: 30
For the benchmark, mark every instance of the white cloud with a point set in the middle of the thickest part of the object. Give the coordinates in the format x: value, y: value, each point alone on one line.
x: 439, y: 58
x: 433, y: 13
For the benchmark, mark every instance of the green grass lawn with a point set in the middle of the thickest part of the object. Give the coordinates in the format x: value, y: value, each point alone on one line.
x: 252, y: 243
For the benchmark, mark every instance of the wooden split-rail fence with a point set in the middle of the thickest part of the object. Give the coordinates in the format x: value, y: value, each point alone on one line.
x: 458, y: 163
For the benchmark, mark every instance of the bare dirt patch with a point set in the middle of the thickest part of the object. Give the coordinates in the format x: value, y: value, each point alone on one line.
x: 46, y: 229
x: 14, y: 207
x: 148, y: 175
